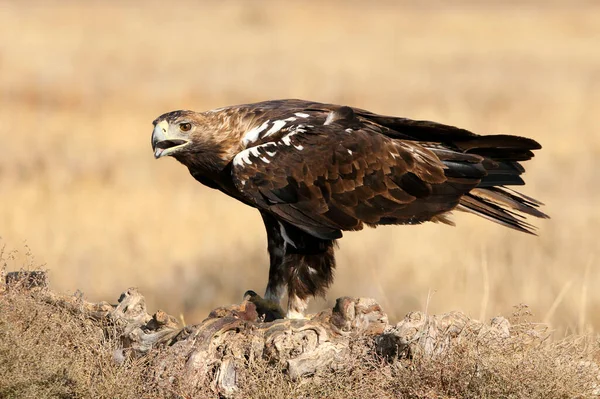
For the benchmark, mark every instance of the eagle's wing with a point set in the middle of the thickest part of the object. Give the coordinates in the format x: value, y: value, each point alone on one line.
x: 336, y: 176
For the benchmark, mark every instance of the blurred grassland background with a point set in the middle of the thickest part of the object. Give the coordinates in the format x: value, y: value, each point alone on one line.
x: 81, y: 82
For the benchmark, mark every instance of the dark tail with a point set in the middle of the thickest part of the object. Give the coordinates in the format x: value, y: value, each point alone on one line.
x: 491, y: 199
x: 501, y: 153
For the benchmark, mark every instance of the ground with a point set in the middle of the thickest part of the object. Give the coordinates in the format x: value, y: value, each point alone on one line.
x: 60, y: 346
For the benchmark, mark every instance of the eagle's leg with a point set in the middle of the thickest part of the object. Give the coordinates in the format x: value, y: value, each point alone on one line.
x: 310, y: 273
x: 299, y: 260
x: 277, y: 272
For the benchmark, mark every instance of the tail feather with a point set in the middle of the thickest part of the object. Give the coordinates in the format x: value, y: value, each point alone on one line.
x: 511, y: 199
x: 493, y: 160
x: 494, y: 180
x: 523, y: 197
x: 500, y: 141
x: 502, y: 206
x: 494, y: 213
x: 501, y: 148
x: 491, y: 199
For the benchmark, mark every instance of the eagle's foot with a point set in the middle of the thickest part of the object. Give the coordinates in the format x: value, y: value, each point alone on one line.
x: 296, y: 308
x: 292, y: 315
x: 267, y: 310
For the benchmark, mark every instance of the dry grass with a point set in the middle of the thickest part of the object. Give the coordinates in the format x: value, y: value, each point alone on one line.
x: 471, y: 370
x: 81, y: 82
x: 49, y: 352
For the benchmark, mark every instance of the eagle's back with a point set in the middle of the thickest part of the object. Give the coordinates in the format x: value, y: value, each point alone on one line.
x: 326, y: 168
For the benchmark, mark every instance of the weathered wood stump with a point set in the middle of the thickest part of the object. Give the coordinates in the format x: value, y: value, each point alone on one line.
x: 218, y: 350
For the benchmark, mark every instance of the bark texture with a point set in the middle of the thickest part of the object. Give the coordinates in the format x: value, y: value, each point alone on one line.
x: 218, y: 350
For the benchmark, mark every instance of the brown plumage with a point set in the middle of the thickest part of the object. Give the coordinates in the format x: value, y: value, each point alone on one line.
x: 315, y: 170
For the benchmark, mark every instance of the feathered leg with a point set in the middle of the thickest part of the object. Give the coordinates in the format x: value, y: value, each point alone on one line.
x: 277, y: 272
x: 299, y: 260
x: 310, y: 274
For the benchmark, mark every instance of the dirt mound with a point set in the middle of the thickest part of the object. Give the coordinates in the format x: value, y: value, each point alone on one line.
x: 55, y: 345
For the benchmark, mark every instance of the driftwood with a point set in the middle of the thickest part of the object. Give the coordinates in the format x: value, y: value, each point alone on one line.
x: 217, y: 350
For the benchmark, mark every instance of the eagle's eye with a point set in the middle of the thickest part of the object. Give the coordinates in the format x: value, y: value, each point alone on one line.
x: 185, y: 127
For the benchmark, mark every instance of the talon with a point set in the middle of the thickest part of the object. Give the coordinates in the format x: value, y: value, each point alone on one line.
x: 268, y: 310
x: 248, y: 295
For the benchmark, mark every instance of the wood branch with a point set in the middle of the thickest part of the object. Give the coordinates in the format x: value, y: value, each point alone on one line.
x: 218, y: 350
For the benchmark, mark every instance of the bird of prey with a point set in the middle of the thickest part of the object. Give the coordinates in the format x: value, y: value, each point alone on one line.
x: 315, y: 170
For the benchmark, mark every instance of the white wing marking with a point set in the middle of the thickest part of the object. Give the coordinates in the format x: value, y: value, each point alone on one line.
x: 252, y: 135
x: 277, y: 125
x: 243, y: 157
x: 287, y: 138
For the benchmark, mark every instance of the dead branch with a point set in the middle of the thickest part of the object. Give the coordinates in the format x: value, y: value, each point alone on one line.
x: 218, y: 350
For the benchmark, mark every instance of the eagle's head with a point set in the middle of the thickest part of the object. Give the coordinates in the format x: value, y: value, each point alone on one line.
x: 177, y: 133
x: 193, y: 138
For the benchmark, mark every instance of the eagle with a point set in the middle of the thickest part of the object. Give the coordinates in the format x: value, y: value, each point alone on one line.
x: 315, y: 170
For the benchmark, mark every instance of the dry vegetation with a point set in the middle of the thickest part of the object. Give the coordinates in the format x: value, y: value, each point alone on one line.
x: 54, y: 346
x: 81, y: 83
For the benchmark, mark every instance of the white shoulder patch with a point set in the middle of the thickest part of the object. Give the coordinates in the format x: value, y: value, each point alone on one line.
x: 287, y: 139
x: 252, y: 135
x: 301, y: 115
x: 262, y: 152
x: 277, y: 125
x: 243, y: 157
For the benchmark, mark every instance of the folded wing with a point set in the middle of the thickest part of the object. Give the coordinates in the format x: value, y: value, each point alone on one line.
x: 343, y: 174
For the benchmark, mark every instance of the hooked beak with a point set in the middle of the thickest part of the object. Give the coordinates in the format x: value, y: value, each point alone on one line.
x: 164, y: 145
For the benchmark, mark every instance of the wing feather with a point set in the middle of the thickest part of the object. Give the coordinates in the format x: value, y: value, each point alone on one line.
x: 325, y: 179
